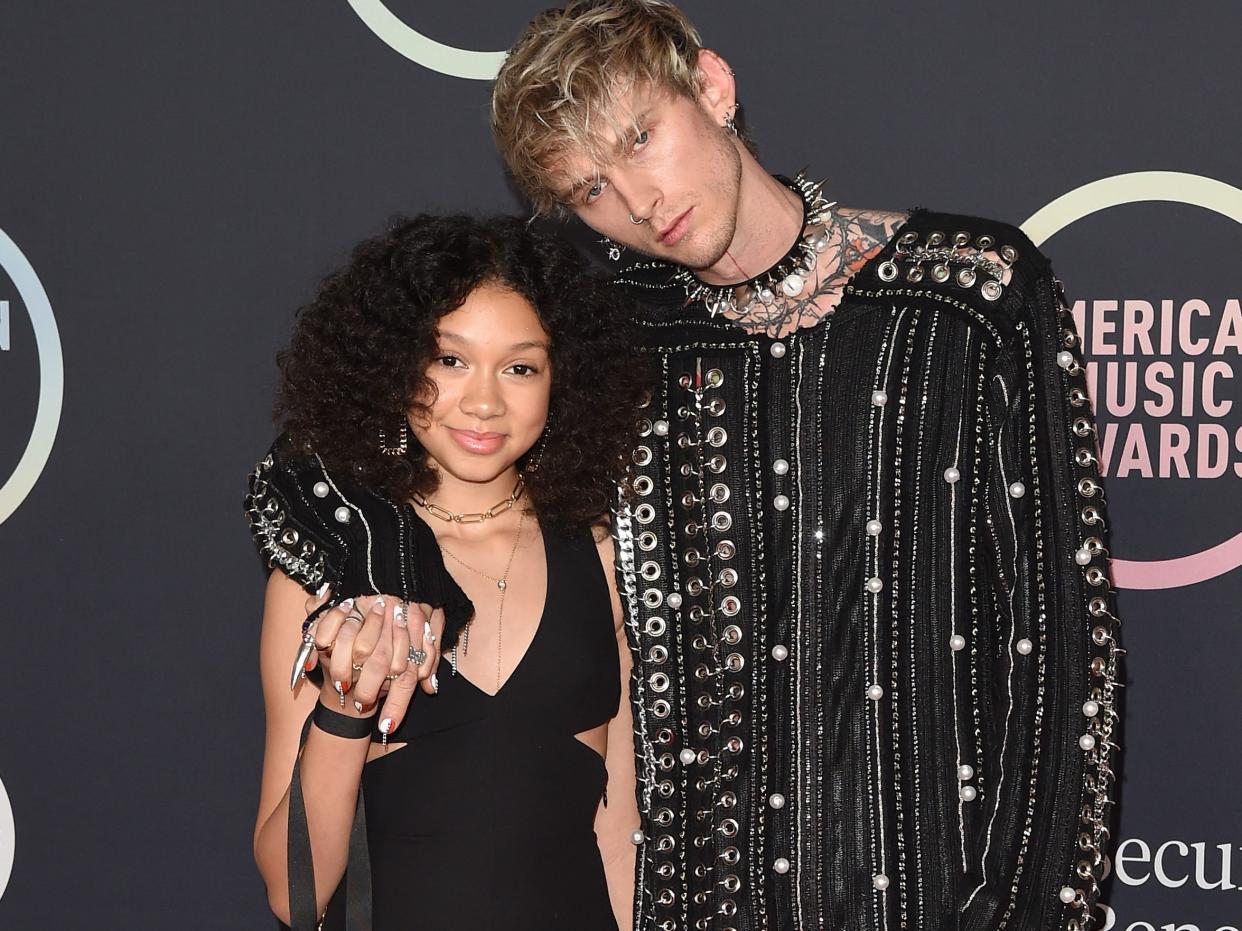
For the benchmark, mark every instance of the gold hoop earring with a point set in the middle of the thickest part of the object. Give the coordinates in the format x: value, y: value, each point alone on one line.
x: 532, y: 466
x: 403, y: 441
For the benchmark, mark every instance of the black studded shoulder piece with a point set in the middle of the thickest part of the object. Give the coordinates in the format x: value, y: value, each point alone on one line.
x: 963, y: 259
x: 319, y: 527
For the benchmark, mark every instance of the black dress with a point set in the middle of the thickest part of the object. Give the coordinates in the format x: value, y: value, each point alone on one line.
x: 485, y: 818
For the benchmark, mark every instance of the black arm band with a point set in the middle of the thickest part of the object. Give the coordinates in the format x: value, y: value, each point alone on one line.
x: 340, y: 725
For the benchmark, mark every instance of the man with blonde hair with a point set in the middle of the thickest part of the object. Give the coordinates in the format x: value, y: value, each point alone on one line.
x: 863, y: 558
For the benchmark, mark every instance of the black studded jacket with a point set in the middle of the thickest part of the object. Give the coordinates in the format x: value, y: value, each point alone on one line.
x: 865, y: 576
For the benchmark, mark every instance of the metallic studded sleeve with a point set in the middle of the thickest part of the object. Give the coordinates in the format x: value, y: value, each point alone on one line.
x: 283, y: 507
x: 1042, y: 652
x: 319, y: 527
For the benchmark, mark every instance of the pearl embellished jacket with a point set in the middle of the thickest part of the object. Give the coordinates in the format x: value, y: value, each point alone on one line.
x: 864, y: 573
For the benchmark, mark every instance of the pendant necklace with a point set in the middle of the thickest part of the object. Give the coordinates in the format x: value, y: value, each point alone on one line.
x: 502, y: 583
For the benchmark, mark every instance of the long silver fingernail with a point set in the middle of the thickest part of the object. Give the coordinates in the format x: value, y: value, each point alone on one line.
x: 340, y: 691
x: 379, y: 601
x: 358, y: 706
x: 435, y: 682
x: 398, y: 616
x: 427, y: 634
x: 299, y: 662
x: 323, y: 590
x: 346, y: 604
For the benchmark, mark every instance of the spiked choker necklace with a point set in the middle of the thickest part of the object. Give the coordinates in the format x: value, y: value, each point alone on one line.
x: 788, y: 277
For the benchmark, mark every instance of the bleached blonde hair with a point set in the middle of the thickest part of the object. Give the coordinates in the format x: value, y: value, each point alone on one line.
x: 560, y: 88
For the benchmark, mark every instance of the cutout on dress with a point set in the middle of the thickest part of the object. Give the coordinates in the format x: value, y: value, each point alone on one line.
x: 377, y: 751
x: 595, y: 740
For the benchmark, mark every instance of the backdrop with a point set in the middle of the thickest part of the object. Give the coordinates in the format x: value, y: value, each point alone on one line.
x: 174, y: 179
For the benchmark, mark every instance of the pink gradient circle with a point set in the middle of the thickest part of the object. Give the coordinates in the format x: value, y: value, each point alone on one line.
x: 1133, y: 188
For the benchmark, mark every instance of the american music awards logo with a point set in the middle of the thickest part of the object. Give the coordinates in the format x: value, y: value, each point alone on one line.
x: 403, y: 38
x: 29, y: 342
x: 1162, y: 371
x: 8, y: 838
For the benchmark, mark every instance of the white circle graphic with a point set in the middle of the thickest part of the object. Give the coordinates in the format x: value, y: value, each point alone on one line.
x: 8, y: 839
x: 51, y: 378
x: 1142, y: 187
x: 397, y: 35
x: 1135, y: 188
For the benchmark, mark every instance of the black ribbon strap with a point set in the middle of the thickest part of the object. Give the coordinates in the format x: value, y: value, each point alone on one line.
x: 303, y: 906
x: 340, y: 725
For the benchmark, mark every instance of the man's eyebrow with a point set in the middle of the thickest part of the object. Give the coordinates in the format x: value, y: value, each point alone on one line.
x: 577, y: 187
x: 626, y: 139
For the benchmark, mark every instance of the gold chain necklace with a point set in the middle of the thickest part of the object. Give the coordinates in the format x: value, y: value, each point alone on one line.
x: 495, y: 510
x: 502, y: 583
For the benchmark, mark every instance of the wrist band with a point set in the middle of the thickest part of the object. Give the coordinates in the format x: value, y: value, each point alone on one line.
x: 340, y: 725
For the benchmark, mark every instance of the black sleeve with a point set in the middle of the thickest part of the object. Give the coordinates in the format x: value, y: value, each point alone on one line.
x: 321, y: 528
x: 1048, y: 741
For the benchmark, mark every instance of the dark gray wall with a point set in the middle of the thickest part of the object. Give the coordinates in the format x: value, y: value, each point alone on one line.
x: 179, y: 176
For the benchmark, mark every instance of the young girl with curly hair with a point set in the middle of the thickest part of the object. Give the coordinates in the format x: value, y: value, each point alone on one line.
x: 459, y: 404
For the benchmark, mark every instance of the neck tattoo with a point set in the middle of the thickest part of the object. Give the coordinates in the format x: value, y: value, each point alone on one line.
x: 808, y: 283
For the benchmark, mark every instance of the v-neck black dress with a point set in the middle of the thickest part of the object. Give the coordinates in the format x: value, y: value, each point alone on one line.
x: 485, y: 819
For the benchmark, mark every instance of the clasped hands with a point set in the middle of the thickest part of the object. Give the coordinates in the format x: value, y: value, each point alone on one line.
x: 372, y: 647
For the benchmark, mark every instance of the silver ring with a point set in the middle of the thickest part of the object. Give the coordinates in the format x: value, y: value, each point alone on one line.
x: 637, y: 222
x: 417, y: 656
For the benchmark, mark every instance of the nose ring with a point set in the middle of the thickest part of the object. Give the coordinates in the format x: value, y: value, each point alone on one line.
x: 639, y: 222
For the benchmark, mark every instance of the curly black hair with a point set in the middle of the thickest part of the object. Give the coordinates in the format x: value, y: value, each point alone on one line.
x: 360, y: 352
